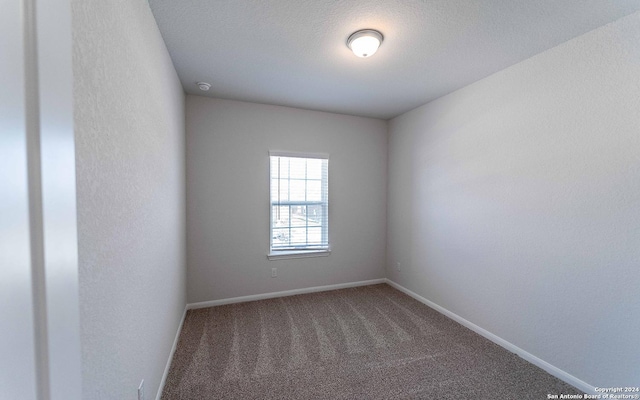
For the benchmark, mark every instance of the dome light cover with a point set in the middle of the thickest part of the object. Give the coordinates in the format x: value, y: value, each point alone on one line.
x: 364, y: 43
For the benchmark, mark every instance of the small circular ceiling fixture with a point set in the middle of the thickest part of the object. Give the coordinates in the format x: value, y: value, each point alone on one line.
x: 364, y: 43
x: 204, y: 86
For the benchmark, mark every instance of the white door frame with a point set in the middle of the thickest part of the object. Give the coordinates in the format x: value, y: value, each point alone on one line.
x: 39, y: 298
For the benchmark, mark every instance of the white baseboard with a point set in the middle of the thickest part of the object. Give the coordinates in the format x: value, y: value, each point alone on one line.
x: 242, y: 299
x: 173, y: 350
x: 551, y: 369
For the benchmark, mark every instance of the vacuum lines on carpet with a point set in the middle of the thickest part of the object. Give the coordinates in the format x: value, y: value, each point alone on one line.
x: 370, y: 342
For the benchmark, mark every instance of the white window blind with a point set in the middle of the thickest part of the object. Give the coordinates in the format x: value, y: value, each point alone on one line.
x: 299, y: 203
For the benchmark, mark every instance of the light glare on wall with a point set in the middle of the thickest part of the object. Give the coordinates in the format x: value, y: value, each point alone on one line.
x: 365, y: 43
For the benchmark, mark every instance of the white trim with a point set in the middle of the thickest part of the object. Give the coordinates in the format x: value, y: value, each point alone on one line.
x: 324, y: 203
x: 553, y: 370
x: 283, y: 255
x: 254, y: 297
x: 296, y: 154
x: 173, y: 350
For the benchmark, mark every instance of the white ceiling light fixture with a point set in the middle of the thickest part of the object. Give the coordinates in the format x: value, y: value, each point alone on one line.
x: 364, y: 43
x: 204, y: 86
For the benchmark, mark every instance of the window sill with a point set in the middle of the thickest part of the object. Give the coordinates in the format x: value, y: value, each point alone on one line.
x: 283, y: 255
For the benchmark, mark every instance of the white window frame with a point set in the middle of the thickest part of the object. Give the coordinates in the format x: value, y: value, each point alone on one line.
x: 297, y: 253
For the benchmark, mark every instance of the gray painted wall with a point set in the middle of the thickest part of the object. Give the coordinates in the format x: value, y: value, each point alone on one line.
x: 514, y: 203
x: 129, y: 120
x: 228, y: 197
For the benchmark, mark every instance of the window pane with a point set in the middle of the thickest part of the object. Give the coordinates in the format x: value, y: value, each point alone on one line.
x: 280, y: 237
x: 279, y: 167
x: 298, y: 188
x: 284, y: 190
x: 314, y: 214
x: 280, y: 216
x: 298, y: 236
x: 283, y: 187
x: 284, y: 167
x: 298, y: 216
x: 314, y: 168
x: 314, y: 190
x: 298, y: 168
x: 314, y: 236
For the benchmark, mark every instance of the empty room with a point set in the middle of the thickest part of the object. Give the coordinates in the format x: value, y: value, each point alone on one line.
x: 320, y: 199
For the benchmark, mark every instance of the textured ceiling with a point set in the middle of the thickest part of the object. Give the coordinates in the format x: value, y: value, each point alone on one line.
x: 293, y: 52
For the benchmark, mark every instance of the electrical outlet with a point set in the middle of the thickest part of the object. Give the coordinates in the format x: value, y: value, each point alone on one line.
x: 141, y: 390
x: 398, y: 266
x: 274, y: 272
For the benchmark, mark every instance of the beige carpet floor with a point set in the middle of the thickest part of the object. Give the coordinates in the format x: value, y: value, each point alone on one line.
x: 370, y: 342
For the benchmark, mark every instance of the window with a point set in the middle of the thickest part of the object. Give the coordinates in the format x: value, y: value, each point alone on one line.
x: 299, y: 204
